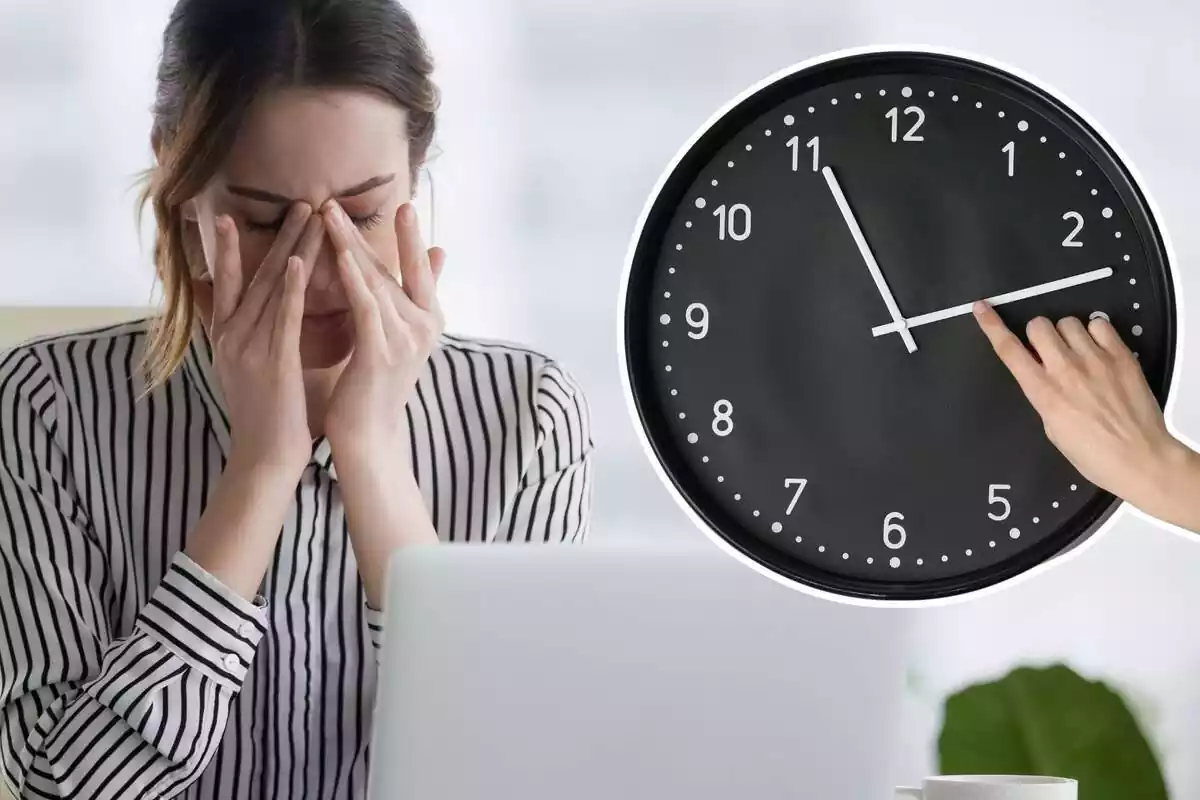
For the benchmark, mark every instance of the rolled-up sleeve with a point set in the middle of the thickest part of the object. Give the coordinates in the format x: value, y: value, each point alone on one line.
x: 85, y: 712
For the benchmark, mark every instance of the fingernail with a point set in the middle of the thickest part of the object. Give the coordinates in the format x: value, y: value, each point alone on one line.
x: 407, y: 214
x: 980, y: 308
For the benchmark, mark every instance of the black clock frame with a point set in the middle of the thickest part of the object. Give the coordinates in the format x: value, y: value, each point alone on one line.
x: 645, y: 258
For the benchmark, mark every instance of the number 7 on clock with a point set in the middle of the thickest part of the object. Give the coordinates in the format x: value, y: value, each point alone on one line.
x: 799, y: 483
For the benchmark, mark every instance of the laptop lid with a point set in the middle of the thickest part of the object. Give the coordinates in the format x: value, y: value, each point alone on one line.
x: 612, y: 671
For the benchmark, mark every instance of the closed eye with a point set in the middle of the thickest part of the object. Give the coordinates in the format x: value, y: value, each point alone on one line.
x: 365, y: 223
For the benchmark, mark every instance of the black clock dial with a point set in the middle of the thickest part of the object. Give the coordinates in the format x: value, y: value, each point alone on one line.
x: 798, y: 339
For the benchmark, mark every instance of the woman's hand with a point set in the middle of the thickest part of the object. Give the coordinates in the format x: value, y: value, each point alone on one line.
x: 1098, y: 410
x: 397, y: 324
x: 255, y: 333
x: 256, y: 355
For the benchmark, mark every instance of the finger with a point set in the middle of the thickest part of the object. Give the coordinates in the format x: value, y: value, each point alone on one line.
x: 1028, y: 373
x: 416, y: 272
x: 290, y: 315
x: 368, y: 323
x: 347, y: 238
x: 309, y: 248
x: 266, y: 282
x: 227, y: 271
x: 437, y: 260
x: 1048, y: 345
x: 1079, y: 340
x: 404, y: 305
x: 395, y: 324
x: 1107, y: 338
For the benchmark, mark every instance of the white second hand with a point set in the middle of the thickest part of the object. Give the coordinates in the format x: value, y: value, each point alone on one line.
x: 1000, y: 299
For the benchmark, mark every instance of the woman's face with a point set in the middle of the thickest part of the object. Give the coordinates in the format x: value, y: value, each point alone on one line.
x: 310, y: 146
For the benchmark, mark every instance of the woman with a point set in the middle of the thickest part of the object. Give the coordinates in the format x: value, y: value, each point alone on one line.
x: 197, y: 550
x: 1099, y: 411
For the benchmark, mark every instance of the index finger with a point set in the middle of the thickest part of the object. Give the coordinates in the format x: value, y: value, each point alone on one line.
x: 346, y: 238
x: 1012, y: 352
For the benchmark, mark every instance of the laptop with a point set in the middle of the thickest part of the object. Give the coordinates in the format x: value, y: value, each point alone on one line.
x: 605, y: 672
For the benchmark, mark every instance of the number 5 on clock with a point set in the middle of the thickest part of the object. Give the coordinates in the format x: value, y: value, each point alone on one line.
x: 799, y: 483
x: 995, y: 498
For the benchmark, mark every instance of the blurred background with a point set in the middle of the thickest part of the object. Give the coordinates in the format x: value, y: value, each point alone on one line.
x: 558, y: 118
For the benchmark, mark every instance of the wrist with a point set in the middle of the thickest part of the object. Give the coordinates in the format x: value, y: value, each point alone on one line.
x: 237, y: 532
x: 1172, y: 478
x: 259, y: 473
x: 354, y: 452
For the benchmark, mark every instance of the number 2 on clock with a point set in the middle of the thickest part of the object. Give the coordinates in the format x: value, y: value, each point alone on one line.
x: 1071, y: 241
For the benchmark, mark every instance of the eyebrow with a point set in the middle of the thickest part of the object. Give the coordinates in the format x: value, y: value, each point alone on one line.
x: 270, y: 197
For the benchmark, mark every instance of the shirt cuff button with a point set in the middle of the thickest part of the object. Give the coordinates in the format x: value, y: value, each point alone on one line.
x: 231, y: 662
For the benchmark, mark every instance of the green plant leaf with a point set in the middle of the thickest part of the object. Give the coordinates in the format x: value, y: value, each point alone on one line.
x: 1050, y: 721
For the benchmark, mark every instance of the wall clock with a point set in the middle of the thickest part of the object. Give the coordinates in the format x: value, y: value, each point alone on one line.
x: 797, y: 348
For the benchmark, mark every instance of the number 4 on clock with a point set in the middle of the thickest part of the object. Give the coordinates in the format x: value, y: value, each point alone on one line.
x: 799, y: 483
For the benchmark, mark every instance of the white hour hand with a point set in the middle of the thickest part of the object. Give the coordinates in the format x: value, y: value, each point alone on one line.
x: 898, y: 323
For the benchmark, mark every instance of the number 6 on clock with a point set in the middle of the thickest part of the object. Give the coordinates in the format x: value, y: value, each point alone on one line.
x: 890, y: 528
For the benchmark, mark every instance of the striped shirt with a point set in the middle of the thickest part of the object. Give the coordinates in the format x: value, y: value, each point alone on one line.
x: 126, y: 670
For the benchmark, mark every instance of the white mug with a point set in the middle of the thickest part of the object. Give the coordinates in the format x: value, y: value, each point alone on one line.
x: 991, y: 787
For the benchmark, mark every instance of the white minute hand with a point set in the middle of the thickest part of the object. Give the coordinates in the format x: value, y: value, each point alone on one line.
x: 1000, y: 299
x: 898, y: 323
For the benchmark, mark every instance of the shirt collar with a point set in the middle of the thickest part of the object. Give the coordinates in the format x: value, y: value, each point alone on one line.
x: 198, y: 367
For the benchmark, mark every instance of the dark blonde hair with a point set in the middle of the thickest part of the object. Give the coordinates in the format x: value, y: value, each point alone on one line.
x: 218, y: 56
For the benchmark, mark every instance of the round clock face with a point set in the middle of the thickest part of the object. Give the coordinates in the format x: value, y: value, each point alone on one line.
x: 797, y: 335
